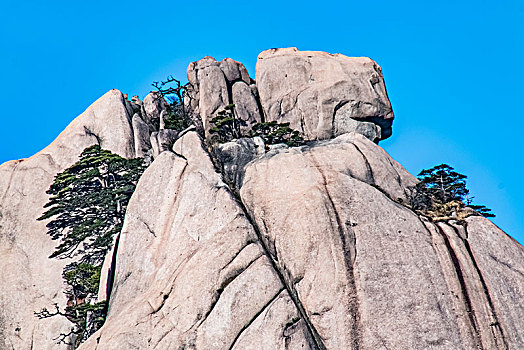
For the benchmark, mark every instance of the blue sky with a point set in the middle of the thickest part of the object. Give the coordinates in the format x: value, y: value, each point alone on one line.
x: 453, y: 70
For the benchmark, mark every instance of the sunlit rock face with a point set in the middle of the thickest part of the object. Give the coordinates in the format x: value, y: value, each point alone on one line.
x: 324, y: 95
x: 29, y: 280
x: 214, y: 85
x: 249, y: 246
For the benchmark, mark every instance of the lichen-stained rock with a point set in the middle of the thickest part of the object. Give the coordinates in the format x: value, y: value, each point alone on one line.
x: 363, y: 266
x: 319, y: 92
x: 29, y: 280
x: 190, y: 271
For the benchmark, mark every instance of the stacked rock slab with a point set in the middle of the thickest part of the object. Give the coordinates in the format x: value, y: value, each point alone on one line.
x: 29, y: 280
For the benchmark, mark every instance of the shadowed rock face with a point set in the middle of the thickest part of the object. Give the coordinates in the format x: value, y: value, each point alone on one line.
x: 308, y: 247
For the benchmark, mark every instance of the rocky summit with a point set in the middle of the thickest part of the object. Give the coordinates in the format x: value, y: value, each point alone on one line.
x: 244, y: 245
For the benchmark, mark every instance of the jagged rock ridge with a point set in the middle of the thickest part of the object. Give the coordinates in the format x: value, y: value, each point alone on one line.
x: 310, y: 247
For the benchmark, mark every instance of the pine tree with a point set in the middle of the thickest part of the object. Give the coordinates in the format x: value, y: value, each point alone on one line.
x: 444, y: 184
x: 273, y: 133
x: 226, y: 125
x: 442, y: 190
x: 87, y: 207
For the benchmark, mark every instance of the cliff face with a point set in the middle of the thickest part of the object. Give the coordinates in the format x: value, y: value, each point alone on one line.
x: 29, y: 280
x: 238, y: 248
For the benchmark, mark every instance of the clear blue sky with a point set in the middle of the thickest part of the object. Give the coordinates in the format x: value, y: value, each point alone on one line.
x: 453, y: 70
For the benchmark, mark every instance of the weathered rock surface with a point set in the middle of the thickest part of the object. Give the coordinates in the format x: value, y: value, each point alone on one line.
x: 142, y: 137
x: 29, y: 280
x: 325, y: 257
x: 233, y: 156
x: 323, y: 95
x: 214, y: 85
x: 190, y: 272
x: 161, y: 140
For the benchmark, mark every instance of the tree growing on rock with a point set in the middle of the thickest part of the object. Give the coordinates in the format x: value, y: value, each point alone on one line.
x: 273, y: 133
x: 87, y: 207
x: 226, y: 126
x: 442, y: 193
x: 177, y: 117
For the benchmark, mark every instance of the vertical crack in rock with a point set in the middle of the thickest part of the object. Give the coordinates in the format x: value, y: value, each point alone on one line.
x: 112, y: 271
x: 495, y: 326
x: 129, y: 117
x: 290, y: 289
x: 368, y: 166
x: 255, y: 317
x: 259, y: 105
x: 350, y: 252
x: 463, y: 287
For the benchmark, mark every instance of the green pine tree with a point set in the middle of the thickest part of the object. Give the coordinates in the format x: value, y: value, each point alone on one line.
x: 273, y: 133
x: 226, y: 126
x: 444, y: 184
x: 87, y: 207
x: 442, y: 191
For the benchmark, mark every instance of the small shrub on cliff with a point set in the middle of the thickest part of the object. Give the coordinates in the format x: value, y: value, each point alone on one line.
x: 226, y: 126
x: 442, y: 193
x: 273, y: 133
x: 87, y: 207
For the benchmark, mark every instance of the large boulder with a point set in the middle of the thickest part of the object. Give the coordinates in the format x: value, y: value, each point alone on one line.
x: 324, y: 95
x: 152, y: 107
x: 29, y: 280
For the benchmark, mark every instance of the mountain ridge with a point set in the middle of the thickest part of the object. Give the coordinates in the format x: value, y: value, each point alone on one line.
x: 309, y: 246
